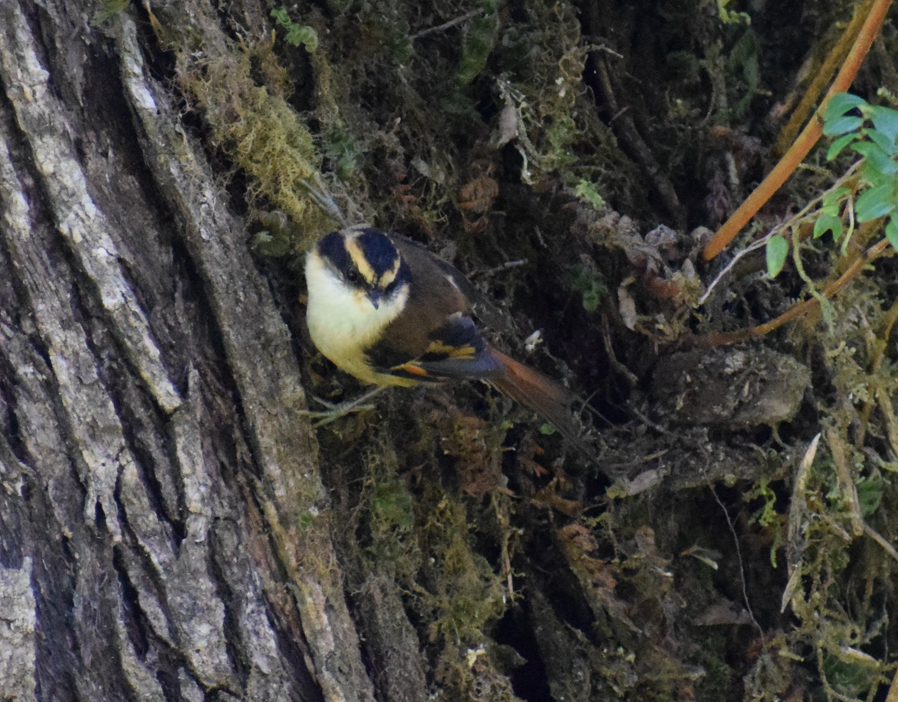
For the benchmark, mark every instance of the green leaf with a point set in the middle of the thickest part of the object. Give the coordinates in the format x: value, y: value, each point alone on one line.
x: 591, y: 299
x: 876, y: 157
x: 828, y: 222
x: 886, y: 121
x: 869, y: 494
x: 881, y: 140
x: 873, y: 177
x: 303, y: 34
x: 892, y: 232
x: 587, y: 191
x: 840, y: 125
x: 840, y: 103
x: 836, y: 148
x: 832, y: 201
x: 875, y: 202
x: 479, y: 43
x: 777, y: 250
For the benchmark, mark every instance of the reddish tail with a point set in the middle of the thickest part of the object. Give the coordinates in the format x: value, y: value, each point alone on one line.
x: 545, y: 397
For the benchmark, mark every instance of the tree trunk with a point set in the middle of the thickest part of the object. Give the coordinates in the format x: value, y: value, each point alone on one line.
x: 164, y: 533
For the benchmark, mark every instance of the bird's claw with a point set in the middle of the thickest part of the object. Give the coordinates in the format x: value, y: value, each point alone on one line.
x: 335, y: 410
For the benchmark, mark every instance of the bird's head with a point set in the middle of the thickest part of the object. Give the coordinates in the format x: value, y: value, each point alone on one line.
x: 366, y: 265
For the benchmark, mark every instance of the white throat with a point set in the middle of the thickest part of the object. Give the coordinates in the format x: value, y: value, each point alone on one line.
x: 342, y: 321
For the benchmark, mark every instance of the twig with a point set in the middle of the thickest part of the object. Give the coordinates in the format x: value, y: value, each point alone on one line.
x: 739, y: 558
x: 878, y: 538
x: 629, y: 375
x: 754, y: 246
x: 317, y: 190
x: 801, y: 308
x: 626, y: 131
x: 447, y: 25
x: 830, y: 64
x: 797, y: 507
x: 498, y: 269
x: 648, y: 422
x: 780, y: 227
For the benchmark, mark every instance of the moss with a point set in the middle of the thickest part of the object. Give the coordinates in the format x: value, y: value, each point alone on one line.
x: 262, y: 134
x: 465, y: 594
x: 469, y: 674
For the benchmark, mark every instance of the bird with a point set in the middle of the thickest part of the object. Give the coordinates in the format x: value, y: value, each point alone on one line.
x: 389, y: 312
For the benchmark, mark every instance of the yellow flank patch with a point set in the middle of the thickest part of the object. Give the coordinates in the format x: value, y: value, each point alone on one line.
x: 358, y: 258
x: 439, y: 347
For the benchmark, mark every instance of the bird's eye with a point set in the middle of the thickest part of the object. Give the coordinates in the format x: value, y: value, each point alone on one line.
x: 352, y: 275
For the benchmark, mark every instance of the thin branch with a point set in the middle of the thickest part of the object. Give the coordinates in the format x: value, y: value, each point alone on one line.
x: 739, y: 558
x: 833, y: 60
x: 448, y: 25
x: 878, y: 538
x: 801, y: 308
x: 760, y: 243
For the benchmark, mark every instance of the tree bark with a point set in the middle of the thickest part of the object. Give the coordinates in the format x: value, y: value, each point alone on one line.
x: 160, y: 488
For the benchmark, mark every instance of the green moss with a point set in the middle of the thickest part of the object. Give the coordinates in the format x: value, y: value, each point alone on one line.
x: 589, y: 283
x: 297, y: 34
x: 107, y: 9
x: 262, y: 134
x: 466, y: 593
x: 392, y: 506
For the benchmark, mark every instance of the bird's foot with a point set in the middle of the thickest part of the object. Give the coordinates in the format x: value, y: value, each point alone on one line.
x: 335, y: 410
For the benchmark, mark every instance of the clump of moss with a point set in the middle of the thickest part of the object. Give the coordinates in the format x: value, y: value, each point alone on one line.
x: 463, y: 592
x: 462, y: 595
x: 558, y: 133
x: 456, y: 593
x: 264, y: 136
x: 469, y: 674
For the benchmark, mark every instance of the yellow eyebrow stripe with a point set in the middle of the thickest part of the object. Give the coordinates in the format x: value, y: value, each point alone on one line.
x: 358, y: 258
x: 389, y: 276
x: 361, y: 262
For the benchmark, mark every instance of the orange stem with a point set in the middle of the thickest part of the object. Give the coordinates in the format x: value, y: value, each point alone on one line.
x: 834, y: 59
x: 805, y: 141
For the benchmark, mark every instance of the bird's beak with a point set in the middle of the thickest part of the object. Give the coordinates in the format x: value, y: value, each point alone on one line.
x: 374, y: 295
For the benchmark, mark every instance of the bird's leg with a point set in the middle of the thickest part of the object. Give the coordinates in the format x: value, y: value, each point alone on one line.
x: 340, y: 409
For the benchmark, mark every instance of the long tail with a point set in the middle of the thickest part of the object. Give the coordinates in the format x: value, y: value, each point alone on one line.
x: 545, y: 397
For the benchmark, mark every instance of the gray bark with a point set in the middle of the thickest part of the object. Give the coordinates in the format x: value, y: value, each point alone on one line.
x: 164, y: 533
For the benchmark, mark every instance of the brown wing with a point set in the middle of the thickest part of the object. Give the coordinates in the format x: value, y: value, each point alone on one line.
x: 434, y: 338
x: 477, y: 302
x: 435, y: 298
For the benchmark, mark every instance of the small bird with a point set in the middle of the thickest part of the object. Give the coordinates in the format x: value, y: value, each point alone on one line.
x: 387, y: 311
